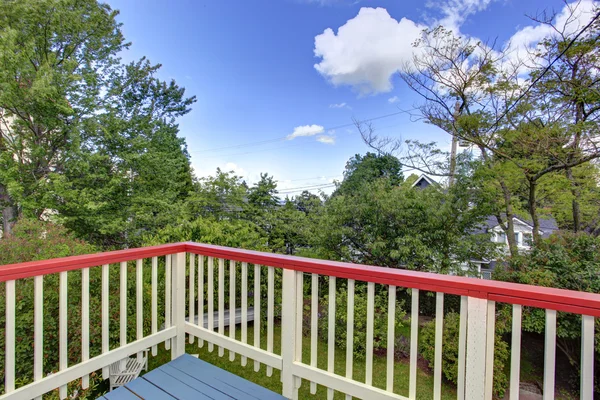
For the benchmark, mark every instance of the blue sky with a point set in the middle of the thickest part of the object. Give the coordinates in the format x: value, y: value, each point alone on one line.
x: 253, y: 67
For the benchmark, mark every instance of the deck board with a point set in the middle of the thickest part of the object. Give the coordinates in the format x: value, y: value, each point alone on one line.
x: 188, y: 377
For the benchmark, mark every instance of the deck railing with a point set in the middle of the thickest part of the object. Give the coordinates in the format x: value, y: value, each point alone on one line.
x: 202, y: 281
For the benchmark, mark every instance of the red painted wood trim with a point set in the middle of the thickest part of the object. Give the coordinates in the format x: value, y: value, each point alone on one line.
x: 55, y: 265
x: 535, y: 296
x: 514, y: 293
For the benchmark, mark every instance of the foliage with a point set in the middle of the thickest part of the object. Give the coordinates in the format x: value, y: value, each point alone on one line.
x: 82, y: 133
x: 361, y: 170
x: 566, y: 261
x: 450, y: 352
x: 403, y: 227
x: 34, y: 240
x: 380, y: 320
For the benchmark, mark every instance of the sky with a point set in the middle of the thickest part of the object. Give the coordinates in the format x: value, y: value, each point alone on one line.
x: 278, y: 82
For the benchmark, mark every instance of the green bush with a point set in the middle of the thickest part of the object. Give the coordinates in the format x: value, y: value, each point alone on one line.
x: 34, y: 240
x: 380, y: 321
x: 450, y: 352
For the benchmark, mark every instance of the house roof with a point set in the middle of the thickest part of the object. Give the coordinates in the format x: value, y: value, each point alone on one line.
x: 423, y: 181
x: 547, y: 225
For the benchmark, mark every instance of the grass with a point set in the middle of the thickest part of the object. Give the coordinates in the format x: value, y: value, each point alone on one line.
x: 401, y: 369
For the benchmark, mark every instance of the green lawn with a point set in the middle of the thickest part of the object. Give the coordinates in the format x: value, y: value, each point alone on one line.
x: 401, y: 371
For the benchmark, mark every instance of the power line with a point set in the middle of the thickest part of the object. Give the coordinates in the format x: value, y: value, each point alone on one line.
x: 258, y: 143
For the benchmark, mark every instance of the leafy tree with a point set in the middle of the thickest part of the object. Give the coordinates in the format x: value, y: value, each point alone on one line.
x: 404, y: 227
x: 131, y: 174
x: 81, y: 133
x: 51, y: 75
x: 263, y: 194
x: 222, y: 196
x: 368, y: 168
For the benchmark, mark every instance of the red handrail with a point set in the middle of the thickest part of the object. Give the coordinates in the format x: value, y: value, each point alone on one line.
x: 505, y: 292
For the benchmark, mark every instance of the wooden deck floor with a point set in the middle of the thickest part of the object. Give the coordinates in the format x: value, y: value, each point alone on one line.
x: 190, y: 378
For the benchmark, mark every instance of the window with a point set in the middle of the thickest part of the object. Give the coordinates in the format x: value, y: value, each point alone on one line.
x: 527, y: 239
x: 500, y: 237
x: 517, y: 236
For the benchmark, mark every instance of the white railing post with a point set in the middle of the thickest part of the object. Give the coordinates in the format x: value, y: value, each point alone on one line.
x: 288, y: 331
x: 476, y: 348
x: 178, y: 304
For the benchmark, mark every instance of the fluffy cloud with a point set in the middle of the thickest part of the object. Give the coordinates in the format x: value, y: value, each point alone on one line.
x: 393, y: 99
x: 326, y: 139
x: 306, y: 130
x: 367, y: 50
x: 571, y: 19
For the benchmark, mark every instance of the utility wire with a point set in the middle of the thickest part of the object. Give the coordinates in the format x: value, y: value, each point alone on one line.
x: 285, y: 137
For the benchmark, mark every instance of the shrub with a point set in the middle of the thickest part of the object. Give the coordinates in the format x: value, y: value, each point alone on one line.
x: 450, y: 352
x: 380, y: 321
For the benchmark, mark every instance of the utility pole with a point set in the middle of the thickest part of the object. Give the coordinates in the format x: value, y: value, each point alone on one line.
x: 454, y: 145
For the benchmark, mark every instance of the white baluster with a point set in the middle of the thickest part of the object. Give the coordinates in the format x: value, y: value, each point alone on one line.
x: 200, y: 296
x: 489, y: 349
x: 550, y: 355
x: 244, y: 308
x: 270, y: 312
x: 105, y: 313
x: 139, y: 303
x: 62, y: 331
x: 256, y: 312
x: 414, y: 343
x: 192, y: 294
x: 288, y: 332
x: 369, y: 344
x: 515, y: 353
x: 299, y: 318
x: 38, y: 329
x: 85, y: 322
x: 314, y: 309
x: 178, y: 304
x: 350, y: 332
x: 587, y: 358
x: 232, y: 313
x: 168, y: 260
x: 462, y: 347
x: 331, y: 332
x: 439, y: 326
x: 154, y: 300
x: 221, y: 302
x: 123, y: 304
x: 211, y: 298
x: 9, y: 362
x: 391, y: 338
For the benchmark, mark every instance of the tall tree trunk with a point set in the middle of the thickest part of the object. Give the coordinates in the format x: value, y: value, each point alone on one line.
x: 9, y: 211
x: 510, y: 222
x: 575, y: 202
x: 533, y: 211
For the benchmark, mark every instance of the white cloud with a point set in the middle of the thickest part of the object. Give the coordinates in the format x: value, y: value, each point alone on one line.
x: 370, y: 48
x: 393, y: 99
x: 367, y: 50
x: 455, y: 12
x: 326, y: 139
x: 340, y: 105
x: 306, y: 130
x: 230, y: 166
x: 571, y: 19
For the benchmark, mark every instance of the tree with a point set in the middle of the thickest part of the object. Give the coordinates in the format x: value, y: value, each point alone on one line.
x: 405, y: 227
x: 263, y: 194
x: 83, y: 135
x: 51, y: 75
x: 368, y: 168
x: 222, y: 196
